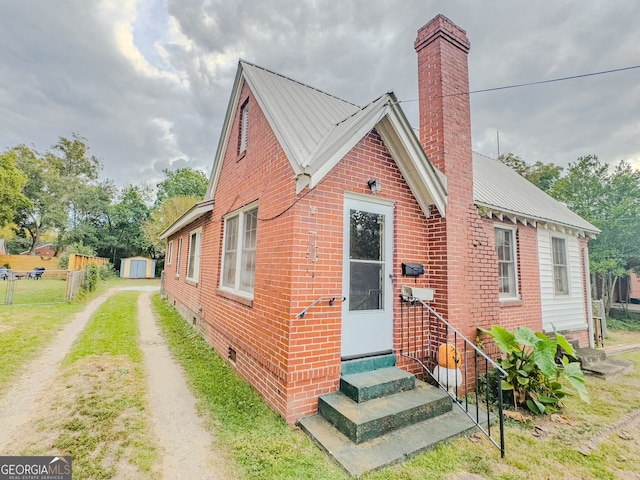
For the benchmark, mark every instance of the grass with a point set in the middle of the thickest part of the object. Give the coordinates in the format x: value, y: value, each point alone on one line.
x: 38, y: 291
x: 263, y: 446
x: 111, y: 331
x: 99, y: 408
x: 260, y: 443
x: 28, y: 328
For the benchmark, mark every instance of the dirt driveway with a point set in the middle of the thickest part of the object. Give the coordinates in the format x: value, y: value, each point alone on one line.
x: 186, y: 448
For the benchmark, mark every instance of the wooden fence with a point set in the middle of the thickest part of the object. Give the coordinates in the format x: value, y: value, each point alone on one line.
x: 26, y: 263
x: 80, y: 262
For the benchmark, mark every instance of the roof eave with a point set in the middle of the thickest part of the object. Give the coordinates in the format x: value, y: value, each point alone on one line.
x: 188, y: 217
x: 417, y: 170
x: 526, y: 219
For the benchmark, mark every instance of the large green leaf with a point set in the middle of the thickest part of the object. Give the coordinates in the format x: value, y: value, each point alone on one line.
x: 506, y: 385
x: 534, y: 405
x: 564, y: 343
x: 544, y: 357
x: 526, y: 336
x: 505, y: 340
x: 574, y: 375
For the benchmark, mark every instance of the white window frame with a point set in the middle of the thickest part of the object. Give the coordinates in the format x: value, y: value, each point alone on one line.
x: 169, y: 252
x: 178, y: 257
x: 515, y: 295
x: 240, y: 250
x: 193, y: 258
x: 244, y: 126
x: 556, y: 265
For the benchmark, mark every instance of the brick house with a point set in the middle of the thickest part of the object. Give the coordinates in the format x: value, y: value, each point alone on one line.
x: 294, y: 260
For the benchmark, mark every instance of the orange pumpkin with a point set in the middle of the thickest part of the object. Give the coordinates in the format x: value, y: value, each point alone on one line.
x: 449, y: 356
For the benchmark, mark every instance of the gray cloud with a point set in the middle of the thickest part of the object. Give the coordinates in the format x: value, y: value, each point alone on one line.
x: 64, y: 68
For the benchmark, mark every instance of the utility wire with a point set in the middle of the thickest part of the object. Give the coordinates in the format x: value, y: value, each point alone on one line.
x: 573, y: 77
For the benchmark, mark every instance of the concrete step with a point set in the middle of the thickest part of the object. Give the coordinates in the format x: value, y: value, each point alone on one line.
x: 361, y: 387
x: 589, y: 356
x: 367, y: 364
x: 364, y: 421
x: 608, y: 368
x: 394, y: 447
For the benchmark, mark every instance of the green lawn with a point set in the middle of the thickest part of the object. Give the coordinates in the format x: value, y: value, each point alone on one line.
x: 36, y: 291
x: 26, y: 329
x: 98, y: 410
x: 264, y: 447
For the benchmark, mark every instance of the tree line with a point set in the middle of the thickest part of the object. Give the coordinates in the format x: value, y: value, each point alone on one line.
x: 608, y: 196
x: 59, y: 196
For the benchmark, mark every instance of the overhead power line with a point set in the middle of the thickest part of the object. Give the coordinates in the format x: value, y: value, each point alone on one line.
x: 540, y: 82
x: 573, y: 77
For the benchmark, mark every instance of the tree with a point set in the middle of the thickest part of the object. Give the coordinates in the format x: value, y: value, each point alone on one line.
x: 44, y: 189
x: 610, y: 200
x: 77, y: 170
x: 12, y: 181
x: 184, y: 182
x: 162, y: 217
x: 542, y: 175
x: 55, y: 182
x: 125, y: 224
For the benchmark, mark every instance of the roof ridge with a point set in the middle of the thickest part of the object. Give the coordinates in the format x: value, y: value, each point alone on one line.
x: 245, y: 62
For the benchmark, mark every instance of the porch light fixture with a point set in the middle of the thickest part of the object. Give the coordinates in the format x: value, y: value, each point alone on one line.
x: 375, y: 186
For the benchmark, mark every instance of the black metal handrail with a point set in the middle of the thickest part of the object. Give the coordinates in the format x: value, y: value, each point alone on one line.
x: 421, y: 339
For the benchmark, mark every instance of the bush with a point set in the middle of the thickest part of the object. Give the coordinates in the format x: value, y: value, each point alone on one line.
x: 107, y: 271
x: 533, y: 376
x: 91, y: 278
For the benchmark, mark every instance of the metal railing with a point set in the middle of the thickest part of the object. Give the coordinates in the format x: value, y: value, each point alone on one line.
x: 423, y: 331
x: 330, y: 301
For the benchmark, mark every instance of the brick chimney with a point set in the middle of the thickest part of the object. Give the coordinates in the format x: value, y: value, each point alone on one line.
x: 445, y: 134
x: 445, y: 114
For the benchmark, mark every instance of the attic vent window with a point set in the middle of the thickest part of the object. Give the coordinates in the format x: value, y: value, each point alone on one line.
x: 244, y: 125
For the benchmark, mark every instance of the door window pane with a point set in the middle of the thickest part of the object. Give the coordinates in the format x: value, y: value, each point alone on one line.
x: 366, y: 286
x: 366, y: 235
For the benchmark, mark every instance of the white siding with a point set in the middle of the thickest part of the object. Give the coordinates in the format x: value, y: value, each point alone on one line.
x: 565, y: 312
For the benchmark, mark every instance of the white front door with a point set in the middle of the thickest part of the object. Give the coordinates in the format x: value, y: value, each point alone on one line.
x: 367, y: 312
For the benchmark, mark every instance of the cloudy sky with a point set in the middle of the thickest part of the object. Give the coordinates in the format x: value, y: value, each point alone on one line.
x: 147, y: 81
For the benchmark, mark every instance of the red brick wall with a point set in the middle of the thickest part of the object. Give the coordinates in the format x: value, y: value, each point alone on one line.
x: 290, y: 360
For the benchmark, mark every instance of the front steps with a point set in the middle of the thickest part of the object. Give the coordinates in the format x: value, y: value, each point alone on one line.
x: 596, y: 362
x: 381, y: 416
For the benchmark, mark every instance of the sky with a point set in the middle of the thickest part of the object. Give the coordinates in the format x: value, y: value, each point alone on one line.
x: 147, y: 82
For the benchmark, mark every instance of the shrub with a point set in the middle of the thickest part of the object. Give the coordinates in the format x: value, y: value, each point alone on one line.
x: 533, y: 376
x: 107, y: 271
x: 91, y: 278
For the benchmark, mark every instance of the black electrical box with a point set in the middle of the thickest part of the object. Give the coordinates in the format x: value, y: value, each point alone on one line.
x: 412, y: 269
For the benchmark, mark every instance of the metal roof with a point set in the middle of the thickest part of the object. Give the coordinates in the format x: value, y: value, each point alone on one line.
x: 302, y: 115
x: 499, y: 188
x: 316, y: 130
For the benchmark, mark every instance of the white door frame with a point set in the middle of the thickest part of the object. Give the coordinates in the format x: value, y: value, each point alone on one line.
x: 368, y: 331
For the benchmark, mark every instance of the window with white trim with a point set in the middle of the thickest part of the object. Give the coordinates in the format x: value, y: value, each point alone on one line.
x: 178, y: 257
x: 193, y: 261
x: 169, y: 252
x: 239, y: 255
x: 244, y: 126
x: 560, y: 270
x: 507, y: 265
